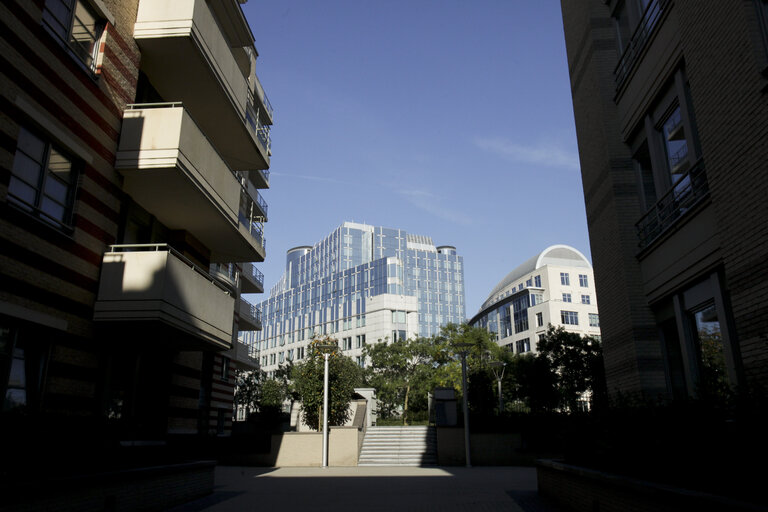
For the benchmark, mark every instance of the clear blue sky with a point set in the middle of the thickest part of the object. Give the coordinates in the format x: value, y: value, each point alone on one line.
x: 450, y: 119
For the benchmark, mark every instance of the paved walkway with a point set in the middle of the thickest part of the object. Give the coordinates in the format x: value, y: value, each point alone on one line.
x: 367, y: 489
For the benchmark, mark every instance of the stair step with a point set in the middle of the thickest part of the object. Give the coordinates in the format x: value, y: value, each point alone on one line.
x: 399, y: 446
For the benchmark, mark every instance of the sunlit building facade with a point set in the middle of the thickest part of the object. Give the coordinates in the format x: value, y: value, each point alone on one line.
x: 361, y: 284
x: 555, y: 287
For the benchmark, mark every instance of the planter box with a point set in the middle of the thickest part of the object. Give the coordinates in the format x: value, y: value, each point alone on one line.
x: 588, y: 490
x: 147, y: 489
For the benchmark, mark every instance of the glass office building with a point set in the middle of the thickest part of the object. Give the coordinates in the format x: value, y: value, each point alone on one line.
x: 361, y: 284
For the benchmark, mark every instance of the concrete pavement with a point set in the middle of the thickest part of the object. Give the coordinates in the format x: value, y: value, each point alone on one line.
x: 373, y: 488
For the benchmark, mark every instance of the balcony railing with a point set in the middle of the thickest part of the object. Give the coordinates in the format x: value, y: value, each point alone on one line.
x: 691, y: 188
x: 155, y: 283
x: 254, y: 274
x: 259, y: 129
x: 259, y: 200
x: 226, y: 271
x: 250, y: 218
x: 638, y: 41
x: 250, y: 316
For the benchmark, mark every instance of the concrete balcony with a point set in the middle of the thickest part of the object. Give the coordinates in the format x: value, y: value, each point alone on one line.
x: 173, y: 171
x: 159, y: 292
x: 189, y: 58
x: 251, y: 279
x: 240, y: 354
x: 250, y: 316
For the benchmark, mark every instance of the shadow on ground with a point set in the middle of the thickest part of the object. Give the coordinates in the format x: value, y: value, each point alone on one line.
x: 373, y: 489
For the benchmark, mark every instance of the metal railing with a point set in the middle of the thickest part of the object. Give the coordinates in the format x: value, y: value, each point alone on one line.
x: 253, y: 273
x: 638, y: 40
x: 249, y: 217
x: 251, y: 312
x: 162, y: 104
x: 259, y: 129
x: 259, y: 200
x: 226, y: 271
x: 118, y: 248
x: 689, y: 190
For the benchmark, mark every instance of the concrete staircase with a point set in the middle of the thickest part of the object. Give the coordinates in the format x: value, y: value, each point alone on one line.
x: 399, y: 446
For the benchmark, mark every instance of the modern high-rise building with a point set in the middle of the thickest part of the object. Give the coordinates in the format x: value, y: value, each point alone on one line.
x: 555, y: 287
x: 134, y: 137
x: 361, y: 284
x: 670, y: 99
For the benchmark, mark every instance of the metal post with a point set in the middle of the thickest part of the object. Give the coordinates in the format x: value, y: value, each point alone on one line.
x: 466, y: 409
x: 325, y: 412
x: 501, y: 398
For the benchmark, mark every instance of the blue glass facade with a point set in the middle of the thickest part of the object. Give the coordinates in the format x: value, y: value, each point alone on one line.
x: 327, y: 288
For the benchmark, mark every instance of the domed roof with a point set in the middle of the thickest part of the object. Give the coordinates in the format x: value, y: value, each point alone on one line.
x: 553, y: 255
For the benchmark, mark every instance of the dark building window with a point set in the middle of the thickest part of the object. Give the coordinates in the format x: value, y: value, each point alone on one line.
x: 520, y: 313
x: 43, y: 179
x: 671, y: 178
x: 77, y: 25
x: 569, y: 317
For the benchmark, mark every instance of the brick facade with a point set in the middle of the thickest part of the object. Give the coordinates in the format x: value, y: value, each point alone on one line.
x: 708, y: 59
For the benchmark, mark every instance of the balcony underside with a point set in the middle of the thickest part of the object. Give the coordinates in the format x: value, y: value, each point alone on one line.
x: 173, y: 172
x: 251, y: 279
x: 171, y: 196
x: 239, y: 354
x: 172, y: 55
x: 161, y: 297
x: 250, y: 286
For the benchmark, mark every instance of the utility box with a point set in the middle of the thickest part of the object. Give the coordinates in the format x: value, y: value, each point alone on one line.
x: 443, y: 404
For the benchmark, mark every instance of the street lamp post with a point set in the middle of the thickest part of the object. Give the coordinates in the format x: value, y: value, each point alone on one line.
x: 495, y: 365
x: 325, y: 348
x: 463, y: 348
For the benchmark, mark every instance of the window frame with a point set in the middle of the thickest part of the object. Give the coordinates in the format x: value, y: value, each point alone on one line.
x: 92, y: 62
x: 66, y: 224
x: 567, y: 316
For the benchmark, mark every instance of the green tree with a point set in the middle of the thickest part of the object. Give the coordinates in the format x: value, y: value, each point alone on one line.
x: 532, y: 381
x: 396, y: 370
x: 343, y: 376
x: 247, y: 390
x: 575, y: 361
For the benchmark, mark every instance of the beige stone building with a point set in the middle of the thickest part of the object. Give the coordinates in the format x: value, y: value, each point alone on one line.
x: 671, y: 105
x: 553, y: 288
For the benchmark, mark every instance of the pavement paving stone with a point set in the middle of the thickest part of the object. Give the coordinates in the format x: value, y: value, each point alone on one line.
x: 373, y: 488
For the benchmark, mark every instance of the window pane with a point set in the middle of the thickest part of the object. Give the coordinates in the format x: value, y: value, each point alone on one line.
x: 57, y: 15
x: 22, y: 191
x: 60, y: 166
x: 53, y: 209
x: 26, y: 169
x: 86, y: 29
x: 56, y: 190
x: 31, y: 145
x: 676, y: 144
x: 714, y: 376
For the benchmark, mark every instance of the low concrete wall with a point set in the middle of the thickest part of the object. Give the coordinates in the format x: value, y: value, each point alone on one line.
x: 147, y: 489
x: 494, y: 449
x: 303, y: 449
x: 588, y: 490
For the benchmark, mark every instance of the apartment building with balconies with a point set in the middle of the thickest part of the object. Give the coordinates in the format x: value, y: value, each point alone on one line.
x: 670, y: 100
x: 134, y: 141
x: 553, y: 288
